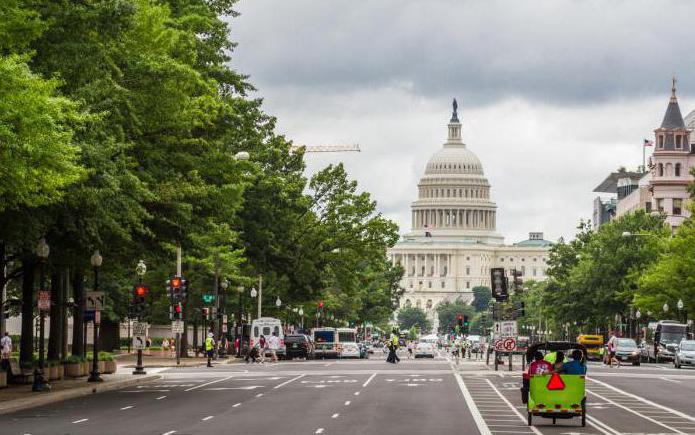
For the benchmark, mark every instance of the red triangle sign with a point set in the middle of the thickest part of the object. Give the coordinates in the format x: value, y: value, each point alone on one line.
x: 555, y: 382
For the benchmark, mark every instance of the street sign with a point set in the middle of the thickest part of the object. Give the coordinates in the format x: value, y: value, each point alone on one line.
x: 177, y: 327
x: 139, y: 328
x: 506, y: 328
x: 208, y: 298
x: 95, y: 301
x: 507, y: 344
x: 224, y: 318
x: 138, y: 342
x: 44, y: 301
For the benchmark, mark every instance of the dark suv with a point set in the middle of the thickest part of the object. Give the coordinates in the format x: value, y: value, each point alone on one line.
x: 298, y: 345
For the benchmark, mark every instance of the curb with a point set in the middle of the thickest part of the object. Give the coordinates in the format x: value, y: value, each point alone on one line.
x: 44, y: 399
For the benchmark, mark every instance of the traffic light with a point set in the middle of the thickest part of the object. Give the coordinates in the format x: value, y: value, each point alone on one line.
x: 177, y: 287
x: 321, y: 305
x: 518, y: 282
x: 499, y: 284
x: 466, y: 324
x: 140, y: 292
x: 519, y: 309
x: 178, y: 311
x: 206, y: 313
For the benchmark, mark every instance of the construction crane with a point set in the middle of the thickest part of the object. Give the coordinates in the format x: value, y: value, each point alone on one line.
x: 327, y: 148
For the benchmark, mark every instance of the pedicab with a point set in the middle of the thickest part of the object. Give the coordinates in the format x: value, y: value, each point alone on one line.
x: 554, y: 395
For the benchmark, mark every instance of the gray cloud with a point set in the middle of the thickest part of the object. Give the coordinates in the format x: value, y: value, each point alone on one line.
x: 559, y: 51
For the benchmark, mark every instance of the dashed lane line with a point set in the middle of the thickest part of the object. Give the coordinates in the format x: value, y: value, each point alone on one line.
x: 207, y: 418
x: 347, y: 402
x: 287, y: 382
x: 209, y: 383
x: 126, y: 407
x: 169, y: 433
x: 335, y: 415
x: 236, y: 405
x: 80, y: 420
x: 160, y: 398
x: 368, y: 380
x: 477, y: 417
x: 319, y: 430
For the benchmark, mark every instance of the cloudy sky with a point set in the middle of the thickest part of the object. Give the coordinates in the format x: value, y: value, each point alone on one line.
x: 553, y: 95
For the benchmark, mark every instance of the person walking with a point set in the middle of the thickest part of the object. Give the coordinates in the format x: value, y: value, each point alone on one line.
x: 6, y: 346
x: 274, y: 345
x: 262, y: 348
x: 209, y: 348
x: 165, y: 346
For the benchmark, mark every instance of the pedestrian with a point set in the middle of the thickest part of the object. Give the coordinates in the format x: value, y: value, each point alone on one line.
x: 410, y: 349
x: 6, y: 346
x: 148, y: 345
x: 274, y: 345
x: 209, y: 348
x: 172, y: 347
x: 165, y: 346
x: 612, y: 345
x: 252, y: 353
x: 262, y: 347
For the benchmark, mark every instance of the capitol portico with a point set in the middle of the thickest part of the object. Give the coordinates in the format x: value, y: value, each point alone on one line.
x: 454, y: 241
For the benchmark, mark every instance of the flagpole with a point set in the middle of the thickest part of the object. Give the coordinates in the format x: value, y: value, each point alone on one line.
x: 644, y: 157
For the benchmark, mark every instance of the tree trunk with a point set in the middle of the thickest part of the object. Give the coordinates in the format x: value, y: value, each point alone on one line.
x: 26, y: 354
x: 65, y: 284
x: 55, y: 338
x: 78, y: 313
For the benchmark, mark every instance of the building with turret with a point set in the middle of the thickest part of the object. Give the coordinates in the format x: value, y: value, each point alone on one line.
x: 454, y: 241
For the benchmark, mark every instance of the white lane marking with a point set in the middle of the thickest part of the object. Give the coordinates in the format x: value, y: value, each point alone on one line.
x: 160, y: 397
x: 144, y: 391
x: 601, y: 426
x: 169, y: 433
x: 250, y: 387
x: 126, y: 407
x: 477, y: 417
x: 207, y: 418
x: 236, y: 404
x: 646, y: 401
x: 259, y: 394
x: 335, y: 415
x: 347, y: 402
x: 210, y: 383
x: 670, y: 380
x: 504, y: 399
x: 319, y: 430
x: 640, y: 414
x: 368, y: 380
x: 80, y: 420
x: 357, y: 393
x: 287, y: 382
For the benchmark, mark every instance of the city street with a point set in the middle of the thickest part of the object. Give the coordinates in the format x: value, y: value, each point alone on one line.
x: 366, y: 397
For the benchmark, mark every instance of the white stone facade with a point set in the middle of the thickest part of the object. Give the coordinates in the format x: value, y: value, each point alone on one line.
x: 454, y: 241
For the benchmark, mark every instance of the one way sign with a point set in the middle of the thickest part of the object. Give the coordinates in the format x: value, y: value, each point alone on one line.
x: 95, y: 301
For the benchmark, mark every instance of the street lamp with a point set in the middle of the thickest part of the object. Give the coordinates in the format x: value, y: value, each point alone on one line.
x: 239, y: 331
x: 665, y: 307
x: 253, y: 294
x: 301, y: 314
x: 40, y: 384
x: 242, y: 156
x: 222, y: 352
x: 680, y: 306
x: 95, y: 376
x: 140, y: 270
x: 278, y: 302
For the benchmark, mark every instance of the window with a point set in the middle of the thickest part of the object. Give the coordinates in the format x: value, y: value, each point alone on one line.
x: 423, y: 271
x: 445, y: 271
x: 648, y: 206
x: 468, y: 284
x: 677, y: 206
x: 468, y: 270
x: 660, y: 141
x: 431, y: 270
x: 523, y: 259
x: 443, y: 284
x: 534, y: 271
x: 679, y: 142
x: 511, y: 260
x: 255, y: 331
x: 678, y: 170
x: 661, y: 169
x: 534, y: 259
x: 523, y: 270
x: 502, y: 260
x: 429, y: 303
x: 660, y: 205
x: 411, y: 284
x: 266, y: 331
x: 418, y: 304
x: 468, y: 258
x: 407, y: 303
x: 429, y: 284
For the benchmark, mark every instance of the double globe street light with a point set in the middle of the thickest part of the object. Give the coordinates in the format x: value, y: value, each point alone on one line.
x: 95, y: 376
x: 40, y: 383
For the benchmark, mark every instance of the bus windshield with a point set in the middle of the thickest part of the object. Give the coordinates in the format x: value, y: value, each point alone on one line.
x: 672, y: 337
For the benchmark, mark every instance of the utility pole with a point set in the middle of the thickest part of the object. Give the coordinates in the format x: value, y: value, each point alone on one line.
x: 260, y: 295
x: 178, y: 273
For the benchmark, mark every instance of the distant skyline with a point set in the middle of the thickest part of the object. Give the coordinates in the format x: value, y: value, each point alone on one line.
x: 553, y: 95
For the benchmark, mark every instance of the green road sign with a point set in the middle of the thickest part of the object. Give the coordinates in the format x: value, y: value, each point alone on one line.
x: 208, y: 298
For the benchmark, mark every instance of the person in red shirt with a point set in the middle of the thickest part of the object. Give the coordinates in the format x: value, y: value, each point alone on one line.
x: 537, y: 367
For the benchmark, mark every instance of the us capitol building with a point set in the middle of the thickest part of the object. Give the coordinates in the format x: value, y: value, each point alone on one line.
x: 454, y: 241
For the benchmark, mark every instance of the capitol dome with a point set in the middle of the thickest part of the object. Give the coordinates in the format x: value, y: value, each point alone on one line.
x: 454, y: 195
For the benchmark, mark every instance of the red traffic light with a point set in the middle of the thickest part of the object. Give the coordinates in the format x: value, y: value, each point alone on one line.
x: 141, y: 291
x: 321, y: 304
x: 459, y: 317
x: 178, y: 308
x: 176, y: 282
x: 205, y: 312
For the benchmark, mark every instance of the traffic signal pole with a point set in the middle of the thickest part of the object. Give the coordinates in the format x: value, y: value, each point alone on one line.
x: 178, y: 273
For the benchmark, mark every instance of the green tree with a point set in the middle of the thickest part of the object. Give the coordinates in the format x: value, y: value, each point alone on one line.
x: 413, y: 317
x: 481, y: 298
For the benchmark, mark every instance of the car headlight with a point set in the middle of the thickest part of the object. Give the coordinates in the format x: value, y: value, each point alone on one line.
x: 635, y: 353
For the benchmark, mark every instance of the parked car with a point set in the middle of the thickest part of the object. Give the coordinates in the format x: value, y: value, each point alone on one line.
x: 685, y: 355
x: 424, y: 349
x: 299, y: 346
x: 350, y: 350
x: 627, y: 350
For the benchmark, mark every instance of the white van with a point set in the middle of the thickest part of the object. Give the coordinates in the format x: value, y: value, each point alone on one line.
x: 265, y: 326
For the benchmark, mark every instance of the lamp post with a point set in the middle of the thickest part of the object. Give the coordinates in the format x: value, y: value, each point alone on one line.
x: 665, y: 307
x: 253, y: 294
x: 301, y: 314
x: 95, y: 376
x: 680, y: 306
x: 140, y: 270
x: 40, y: 384
x: 223, y: 334
x: 239, y: 331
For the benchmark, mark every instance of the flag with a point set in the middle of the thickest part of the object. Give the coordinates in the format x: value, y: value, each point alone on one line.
x: 648, y: 143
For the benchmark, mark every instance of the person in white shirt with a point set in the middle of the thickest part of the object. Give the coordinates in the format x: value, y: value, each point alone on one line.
x: 274, y: 346
x: 6, y: 346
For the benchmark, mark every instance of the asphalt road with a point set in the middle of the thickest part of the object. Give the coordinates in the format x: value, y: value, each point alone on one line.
x: 365, y: 397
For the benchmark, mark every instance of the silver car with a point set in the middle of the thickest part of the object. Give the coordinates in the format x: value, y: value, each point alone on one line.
x: 685, y: 355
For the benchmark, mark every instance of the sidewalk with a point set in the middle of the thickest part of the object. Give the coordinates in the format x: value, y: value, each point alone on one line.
x: 156, y: 360
x: 20, y: 397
